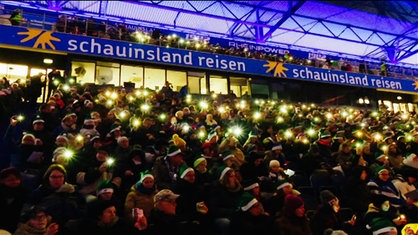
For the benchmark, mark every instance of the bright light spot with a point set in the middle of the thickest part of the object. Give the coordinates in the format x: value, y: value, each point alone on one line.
x: 79, y: 138
x: 257, y: 115
x: 110, y: 161
x: 136, y: 123
x: 201, y: 134
x: 378, y: 136
x: 66, y: 87
x: 328, y: 115
x: 311, y: 132
x: 203, y: 104
x: 163, y: 116
x: 288, y: 134
x: 145, y: 107
x: 68, y: 154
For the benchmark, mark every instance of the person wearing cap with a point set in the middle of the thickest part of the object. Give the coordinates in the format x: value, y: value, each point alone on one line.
x: 67, y: 126
x: 254, y: 167
x: 89, y: 128
x: 292, y: 218
x: 59, y: 198
x: 191, y: 203
x: 250, y: 218
x: 381, y: 208
x: 200, y: 165
x: 382, y: 184
x: 103, y: 219
x: 328, y: 215
x: 87, y: 173
x: 128, y: 169
x: 382, y: 226
x: 274, y: 204
x: 13, y: 195
x: 230, y: 144
x: 345, y: 156
x: 355, y: 192
x: 164, y: 219
x: 324, y: 146
x: 141, y: 195
x: 224, y: 197
x: 276, y: 153
x: 166, y: 168
x: 34, y: 221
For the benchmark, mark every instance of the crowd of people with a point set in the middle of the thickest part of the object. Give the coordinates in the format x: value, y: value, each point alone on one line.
x: 119, y: 161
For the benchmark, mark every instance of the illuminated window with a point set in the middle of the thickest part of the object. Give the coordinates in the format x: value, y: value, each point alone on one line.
x: 14, y: 71
x: 218, y: 84
x: 239, y: 85
x: 197, y: 83
x: 154, y: 78
x: 83, y: 71
x: 177, y: 78
x: 107, y: 73
x: 133, y: 74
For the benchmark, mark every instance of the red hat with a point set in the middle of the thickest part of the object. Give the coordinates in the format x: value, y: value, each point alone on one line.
x: 291, y: 203
x: 206, y: 145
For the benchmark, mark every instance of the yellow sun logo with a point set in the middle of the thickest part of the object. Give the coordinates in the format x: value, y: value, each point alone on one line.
x: 415, y: 84
x: 43, y: 38
x: 279, y: 69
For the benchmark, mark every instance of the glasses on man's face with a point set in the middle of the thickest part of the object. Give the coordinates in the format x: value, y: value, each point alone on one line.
x: 39, y: 217
x: 56, y: 176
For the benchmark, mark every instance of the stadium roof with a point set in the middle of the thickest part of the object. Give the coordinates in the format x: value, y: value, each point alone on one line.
x: 366, y: 29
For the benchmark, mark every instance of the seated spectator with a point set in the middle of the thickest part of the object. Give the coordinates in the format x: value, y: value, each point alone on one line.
x: 251, y: 218
x: 166, y: 168
x: 104, y: 220
x: 191, y: 203
x: 328, y: 216
x: 381, y: 184
x: 292, y: 219
x: 164, y: 220
x: 57, y: 196
x: 35, y: 221
x: 13, y: 195
x: 141, y: 195
x: 224, y: 198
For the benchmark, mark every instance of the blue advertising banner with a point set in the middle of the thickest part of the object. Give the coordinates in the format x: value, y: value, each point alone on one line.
x: 55, y: 41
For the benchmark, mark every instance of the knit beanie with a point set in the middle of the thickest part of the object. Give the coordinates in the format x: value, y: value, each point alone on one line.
x: 246, y: 201
x: 178, y: 141
x: 105, y: 186
x: 144, y: 175
x: 291, y: 203
x: 380, y: 225
x: 198, y: 161
x: 326, y: 196
x: 222, y: 170
x: 184, y: 169
x: 227, y: 155
x: 250, y: 184
x: 282, y: 183
x: 411, y: 160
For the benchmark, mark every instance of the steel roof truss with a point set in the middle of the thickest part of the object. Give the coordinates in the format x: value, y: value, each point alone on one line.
x: 286, y: 16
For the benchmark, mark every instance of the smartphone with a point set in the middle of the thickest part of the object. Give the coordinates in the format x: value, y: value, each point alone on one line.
x: 137, y: 213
